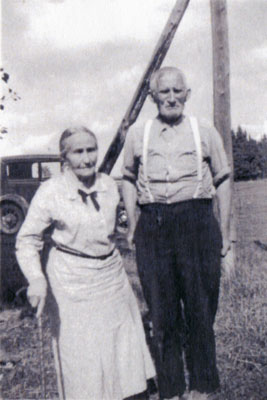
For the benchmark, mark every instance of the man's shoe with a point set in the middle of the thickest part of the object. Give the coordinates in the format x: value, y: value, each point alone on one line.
x: 195, y: 395
x: 173, y: 398
x: 183, y: 397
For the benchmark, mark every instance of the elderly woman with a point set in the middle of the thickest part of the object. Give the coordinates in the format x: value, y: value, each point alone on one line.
x: 102, y: 345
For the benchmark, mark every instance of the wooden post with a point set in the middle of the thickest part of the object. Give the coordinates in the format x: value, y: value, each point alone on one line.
x: 221, y: 73
x: 221, y: 83
x: 143, y: 87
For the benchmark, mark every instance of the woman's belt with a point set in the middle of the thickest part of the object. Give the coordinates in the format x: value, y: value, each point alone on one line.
x: 77, y: 253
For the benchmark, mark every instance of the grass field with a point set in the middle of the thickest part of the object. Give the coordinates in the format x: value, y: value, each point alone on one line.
x: 241, y: 323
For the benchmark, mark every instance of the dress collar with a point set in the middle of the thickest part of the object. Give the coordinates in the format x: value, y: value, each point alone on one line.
x: 72, y: 184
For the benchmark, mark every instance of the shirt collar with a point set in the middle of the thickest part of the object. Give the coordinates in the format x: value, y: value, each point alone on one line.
x: 72, y: 184
x: 161, y: 126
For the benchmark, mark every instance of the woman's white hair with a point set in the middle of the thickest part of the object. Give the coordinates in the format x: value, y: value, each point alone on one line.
x: 63, y: 147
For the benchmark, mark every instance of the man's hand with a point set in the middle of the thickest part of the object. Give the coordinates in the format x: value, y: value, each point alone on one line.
x: 228, y: 259
x: 129, y: 198
x: 130, y: 239
x: 227, y: 251
x: 226, y: 247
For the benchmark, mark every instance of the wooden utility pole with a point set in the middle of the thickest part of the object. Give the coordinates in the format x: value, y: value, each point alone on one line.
x: 221, y: 82
x: 221, y: 73
x: 143, y: 87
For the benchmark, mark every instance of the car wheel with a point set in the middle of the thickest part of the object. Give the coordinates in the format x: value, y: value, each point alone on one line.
x: 11, y: 218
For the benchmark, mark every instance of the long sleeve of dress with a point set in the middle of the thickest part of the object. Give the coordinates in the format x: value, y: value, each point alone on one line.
x: 29, y: 241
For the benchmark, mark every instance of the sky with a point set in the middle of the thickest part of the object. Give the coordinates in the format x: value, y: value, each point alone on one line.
x: 80, y: 61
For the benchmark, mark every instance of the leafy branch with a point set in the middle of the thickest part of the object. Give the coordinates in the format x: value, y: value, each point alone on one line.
x: 9, y: 95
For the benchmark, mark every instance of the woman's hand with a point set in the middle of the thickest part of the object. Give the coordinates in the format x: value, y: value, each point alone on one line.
x: 39, y: 302
x: 37, y: 293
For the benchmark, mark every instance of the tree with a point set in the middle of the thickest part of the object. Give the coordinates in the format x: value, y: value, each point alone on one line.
x: 263, y: 152
x: 249, y: 156
x: 9, y: 94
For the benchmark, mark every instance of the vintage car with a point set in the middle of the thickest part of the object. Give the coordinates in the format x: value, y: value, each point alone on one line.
x: 20, y: 178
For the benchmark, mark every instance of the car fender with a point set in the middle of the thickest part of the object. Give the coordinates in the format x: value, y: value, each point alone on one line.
x: 18, y: 200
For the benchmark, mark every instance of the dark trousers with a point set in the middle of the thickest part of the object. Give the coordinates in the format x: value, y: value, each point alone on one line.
x: 178, y: 258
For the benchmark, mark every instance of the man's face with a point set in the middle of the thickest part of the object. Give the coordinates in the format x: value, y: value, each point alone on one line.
x: 171, y: 96
x: 81, y: 155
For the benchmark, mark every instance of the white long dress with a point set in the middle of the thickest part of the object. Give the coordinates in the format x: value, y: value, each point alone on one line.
x: 102, y: 345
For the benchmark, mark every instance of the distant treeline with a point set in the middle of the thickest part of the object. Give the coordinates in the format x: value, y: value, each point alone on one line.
x: 250, y: 156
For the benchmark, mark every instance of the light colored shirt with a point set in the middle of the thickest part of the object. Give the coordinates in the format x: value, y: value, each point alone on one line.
x: 172, y: 162
x: 78, y: 225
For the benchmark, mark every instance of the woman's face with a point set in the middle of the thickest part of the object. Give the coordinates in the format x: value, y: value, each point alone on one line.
x: 81, y: 154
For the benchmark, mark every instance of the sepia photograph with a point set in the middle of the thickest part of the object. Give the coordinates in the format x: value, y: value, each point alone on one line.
x: 133, y: 212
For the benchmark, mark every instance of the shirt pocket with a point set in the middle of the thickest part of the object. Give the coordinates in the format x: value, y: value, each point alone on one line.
x: 183, y: 164
x: 156, y: 163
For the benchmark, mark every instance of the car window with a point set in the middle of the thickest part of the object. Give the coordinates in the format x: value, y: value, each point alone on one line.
x: 49, y: 168
x: 35, y: 170
x: 22, y: 170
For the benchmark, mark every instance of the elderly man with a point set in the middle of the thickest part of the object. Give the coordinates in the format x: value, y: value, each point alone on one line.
x: 172, y: 169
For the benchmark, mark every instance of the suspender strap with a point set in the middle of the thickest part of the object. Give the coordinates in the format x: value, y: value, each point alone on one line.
x: 148, y: 126
x: 197, y: 140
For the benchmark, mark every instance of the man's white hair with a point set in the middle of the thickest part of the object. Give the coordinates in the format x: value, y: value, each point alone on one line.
x: 153, y: 84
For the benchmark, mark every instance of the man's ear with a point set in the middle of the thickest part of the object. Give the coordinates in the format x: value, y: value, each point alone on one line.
x: 188, y: 94
x: 151, y: 94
